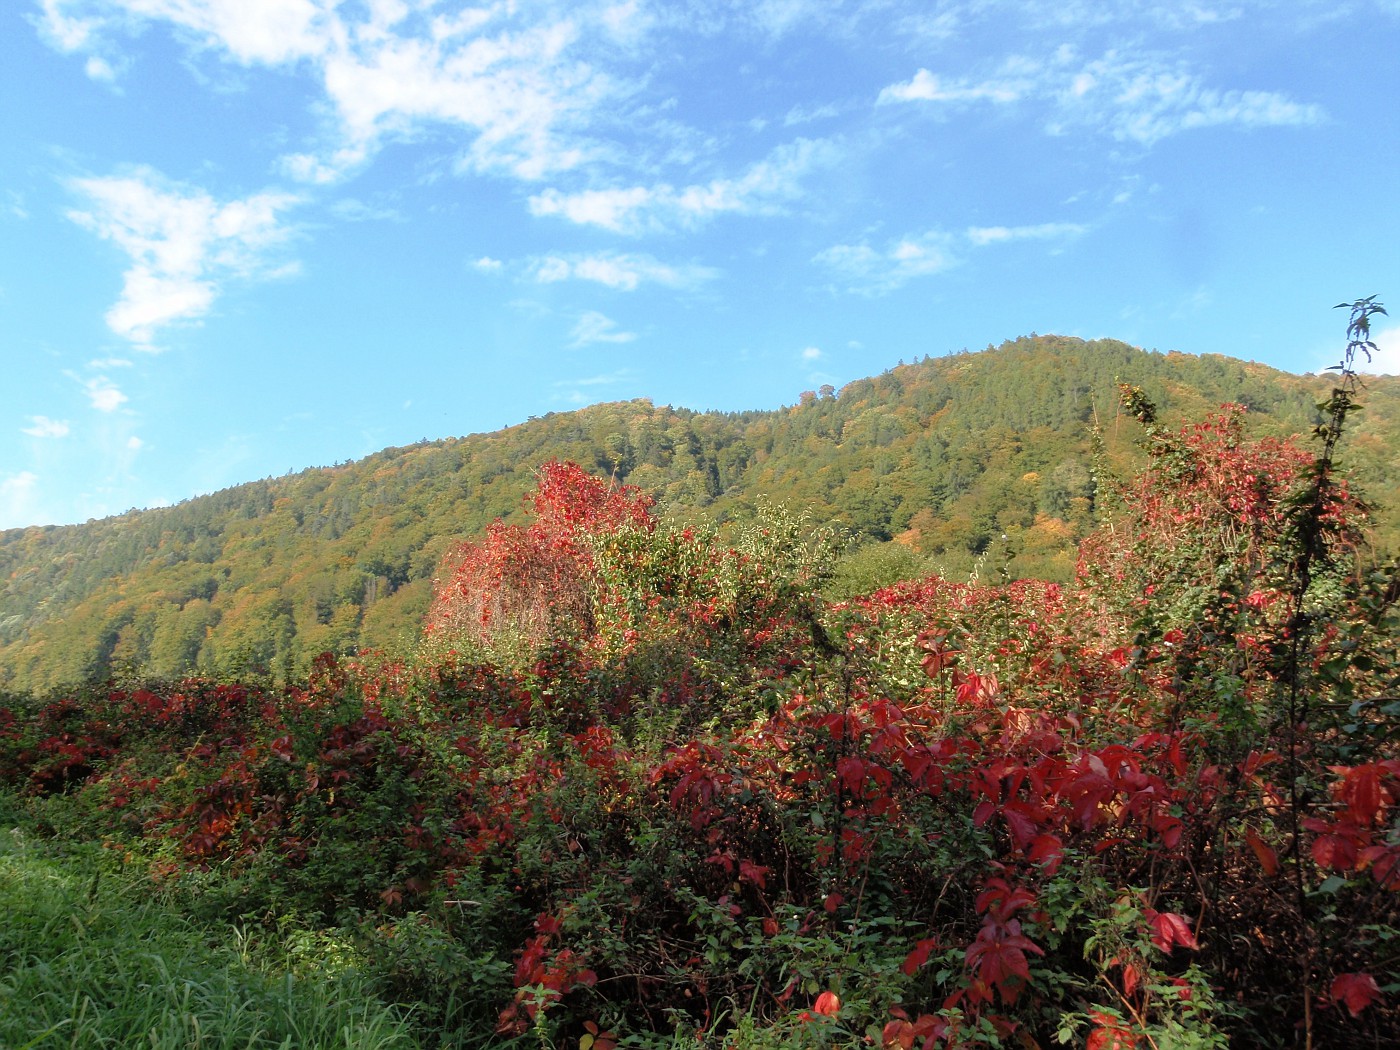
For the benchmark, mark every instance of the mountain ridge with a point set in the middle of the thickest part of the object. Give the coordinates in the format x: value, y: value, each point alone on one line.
x: 952, y: 455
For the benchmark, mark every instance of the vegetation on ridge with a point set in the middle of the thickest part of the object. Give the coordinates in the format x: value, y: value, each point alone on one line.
x: 947, y: 455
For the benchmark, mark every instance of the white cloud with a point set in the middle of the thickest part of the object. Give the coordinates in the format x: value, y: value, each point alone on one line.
x: 512, y: 90
x: 44, y: 427
x: 584, y: 391
x: 12, y: 206
x: 623, y: 271
x: 594, y: 327
x: 98, y: 68
x: 182, y: 245
x: 517, y: 79
x: 135, y: 444
x: 104, y: 394
x: 807, y: 115
x: 611, y: 209
x: 765, y: 188
x: 486, y: 264
x: 984, y: 235
x: 1145, y: 100
x: 778, y: 16
x: 927, y: 87
x: 1140, y: 99
x: 811, y: 353
x: 1385, y: 359
x: 875, y: 271
x: 265, y: 31
x: 353, y: 210
x: 879, y: 270
x: 67, y: 32
x: 17, y: 503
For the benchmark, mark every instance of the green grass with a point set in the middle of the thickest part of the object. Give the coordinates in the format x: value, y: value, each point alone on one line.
x: 89, y: 958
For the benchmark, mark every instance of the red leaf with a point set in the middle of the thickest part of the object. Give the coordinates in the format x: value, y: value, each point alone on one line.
x: 1000, y: 900
x: 1361, y: 791
x: 1268, y: 858
x: 1384, y: 862
x: 753, y: 873
x: 1356, y: 991
x: 828, y: 1004
x: 918, y: 956
x: 999, y: 953
x: 1109, y: 1034
x: 1020, y: 821
x: 1131, y: 976
x: 1335, y: 850
x: 1049, y: 850
x: 1169, y: 929
x: 898, y: 1033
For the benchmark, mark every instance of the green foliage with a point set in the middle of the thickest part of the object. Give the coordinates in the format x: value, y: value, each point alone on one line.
x: 948, y: 454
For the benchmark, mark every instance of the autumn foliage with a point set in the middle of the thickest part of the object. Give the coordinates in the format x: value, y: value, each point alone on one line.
x: 648, y: 786
x: 520, y: 586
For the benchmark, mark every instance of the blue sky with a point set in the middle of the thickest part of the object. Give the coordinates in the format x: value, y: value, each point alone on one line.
x: 242, y: 237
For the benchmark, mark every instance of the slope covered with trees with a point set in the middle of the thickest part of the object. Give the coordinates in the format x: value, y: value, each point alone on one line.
x: 947, y: 455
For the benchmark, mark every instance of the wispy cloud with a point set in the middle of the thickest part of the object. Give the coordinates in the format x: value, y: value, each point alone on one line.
x: 765, y: 188
x: 1131, y: 98
x: 44, y: 427
x: 263, y: 31
x: 808, y: 115
x: 17, y: 499
x: 1145, y: 100
x: 594, y: 327
x: 182, y: 245
x: 12, y: 205
x: 517, y: 80
x: 878, y: 270
x: 587, y: 389
x: 928, y: 87
x: 538, y: 90
x: 983, y: 235
x: 620, y: 270
x: 350, y: 209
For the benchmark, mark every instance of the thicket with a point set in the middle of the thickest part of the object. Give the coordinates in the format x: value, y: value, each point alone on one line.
x: 644, y: 786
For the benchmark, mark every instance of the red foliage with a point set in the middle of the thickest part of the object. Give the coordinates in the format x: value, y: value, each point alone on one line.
x: 1355, y: 991
x: 532, y: 584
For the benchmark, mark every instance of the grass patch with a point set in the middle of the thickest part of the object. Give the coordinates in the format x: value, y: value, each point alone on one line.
x: 90, y: 959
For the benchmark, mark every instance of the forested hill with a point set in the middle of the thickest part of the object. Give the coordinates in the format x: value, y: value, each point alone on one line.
x: 947, y: 455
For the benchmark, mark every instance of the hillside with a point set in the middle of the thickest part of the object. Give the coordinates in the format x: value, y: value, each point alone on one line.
x: 947, y: 455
